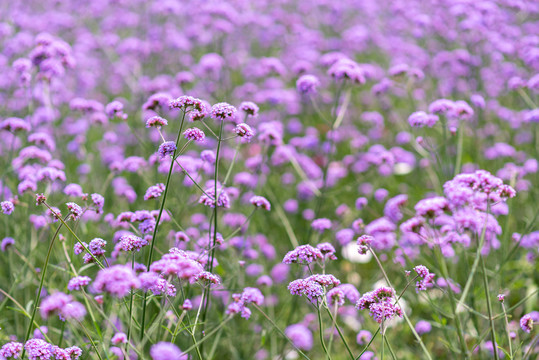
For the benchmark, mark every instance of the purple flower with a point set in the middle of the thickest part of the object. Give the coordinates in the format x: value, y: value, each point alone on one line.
x: 364, y: 243
x: 307, y: 84
x: 11, y: 350
x: 303, y: 254
x: 526, y: 322
x: 166, y: 149
x: 186, y: 102
x: 432, y: 207
x: 244, y: 131
x: 240, y: 302
x: 131, y: 243
x: 63, y: 305
x: 321, y: 224
x: 380, y: 304
x: 187, y: 305
x: 6, y: 243
x: 119, y: 338
x: 223, y: 111
x: 423, y: 327
x: 38, y: 349
x: 167, y: 351
x: 78, y: 282
x: 363, y: 337
x: 115, y: 109
x: 7, y: 207
x: 194, y: 134
x: 117, y: 280
x: 75, y: 210
x: 260, y: 202
x: 156, y: 121
x: 425, y: 276
x: 208, y: 199
x: 327, y: 250
x: 73, y: 190
x: 98, y: 201
x: 421, y: 119
x: 14, y: 124
x: 300, y: 335
x: 441, y: 106
x: 206, y: 277
x: 345, y: 68
x: 250, y: 108
x: 154, y: 191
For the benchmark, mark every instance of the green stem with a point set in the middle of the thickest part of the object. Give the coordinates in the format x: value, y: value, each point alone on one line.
x: 489, y: 308
x: 321, y: 331
x: 507, y: 331
x: 38, y: 295
x: 460, y: 141
x: 144, y: 301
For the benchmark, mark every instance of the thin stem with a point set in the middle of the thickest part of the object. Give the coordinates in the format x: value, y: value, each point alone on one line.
x: 340, y: 334
x: 38, y: 295
x: 320, y: 331
x: 507, y: 331
x: 144, y: 302
x: 460, y: 141
x: 489, y: 308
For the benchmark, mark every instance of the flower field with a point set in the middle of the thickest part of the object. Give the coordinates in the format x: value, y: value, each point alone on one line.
x: 269, y: 179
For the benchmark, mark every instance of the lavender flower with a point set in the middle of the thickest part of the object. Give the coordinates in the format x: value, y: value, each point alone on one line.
x: 117, y: 280
x: 38, y: 349
x: 260, y: 202
x: 420, y: 119
x: 186, y: 103
x: 98, y: 201
x: 74, y: 210
x: 244, y: 131
x: 11, y: 350
x: 423, y: 327
x: 7, y: 207
x: 6, y: 243
x: 119, y: 338
x: 194, y: 134
x: 425, y: 276
x: 307, y: 84
x: 63, y: 305
x: 223, y: 111
x: 154, y: 191
x: 167, y: 351
x: 209, y: 199
x: 166, y: 149
x: 364, y: 243
x: 156, y: 121
x: 78, y: 282
x: 303, y: 254
x: 300, y: 335
x: 380, y: 304
x: 131, y: 243
x: 250, y: 108
x: 526, y: 322
x: 321, y: 224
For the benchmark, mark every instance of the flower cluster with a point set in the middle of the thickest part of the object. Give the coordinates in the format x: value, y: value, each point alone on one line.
x: 303, y: 254
x: 380, y: 304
